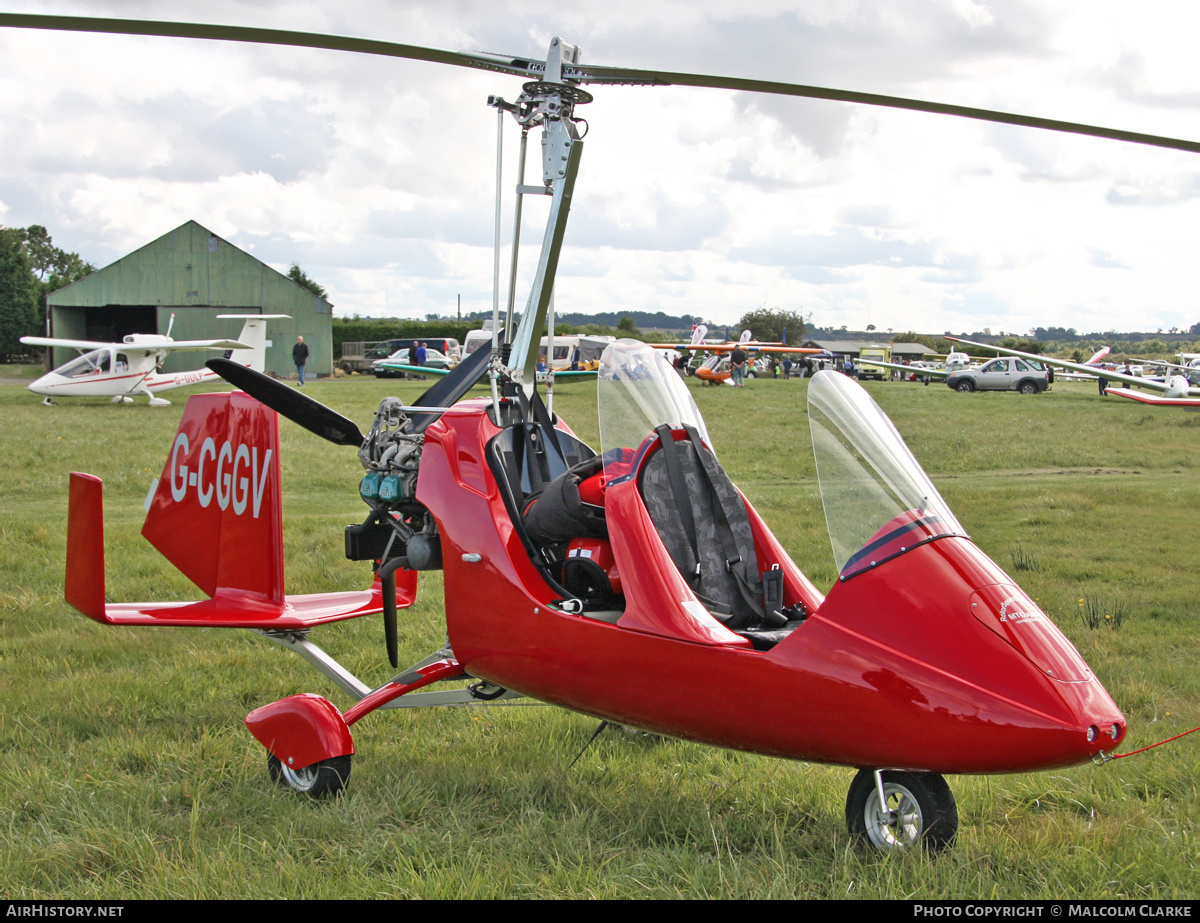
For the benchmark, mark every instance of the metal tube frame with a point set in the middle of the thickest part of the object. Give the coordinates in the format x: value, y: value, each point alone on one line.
x: 298, y: 642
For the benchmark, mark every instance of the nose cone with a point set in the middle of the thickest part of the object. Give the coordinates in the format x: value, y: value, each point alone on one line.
x: 968, y: 664
x: 44, y: 384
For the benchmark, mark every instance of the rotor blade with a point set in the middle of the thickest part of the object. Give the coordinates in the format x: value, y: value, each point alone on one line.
x: 589, y: 73
x: 583, y: 73
x: 529, y: 69
x: 451, y: 388
x: 290, y: 402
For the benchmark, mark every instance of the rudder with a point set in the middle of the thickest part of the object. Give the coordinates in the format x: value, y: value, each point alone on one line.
x: 216, y: 513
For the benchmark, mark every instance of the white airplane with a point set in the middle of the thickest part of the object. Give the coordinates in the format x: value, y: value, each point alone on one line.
x: 1176, y: 390
x: 1189, y: 368
x: 121, y: 370
x: 955, y: 361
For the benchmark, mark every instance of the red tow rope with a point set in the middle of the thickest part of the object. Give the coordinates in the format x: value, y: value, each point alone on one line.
x: 1118, y: 756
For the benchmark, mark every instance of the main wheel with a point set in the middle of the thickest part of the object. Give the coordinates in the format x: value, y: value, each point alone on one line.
x: 966, y: 386
x: 322, y: 779
x: 920, y: 809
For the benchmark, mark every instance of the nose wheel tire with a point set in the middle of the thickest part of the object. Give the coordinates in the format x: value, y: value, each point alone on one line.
x: 919, y: 808
x: 322, y: 779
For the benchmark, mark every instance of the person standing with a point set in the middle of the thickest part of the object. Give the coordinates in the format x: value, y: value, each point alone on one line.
x: 300, y: 359
x: 737, y: 366
x: 419, y: 358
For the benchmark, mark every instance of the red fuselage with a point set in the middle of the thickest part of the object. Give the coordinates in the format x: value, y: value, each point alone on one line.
x: 932, y: 660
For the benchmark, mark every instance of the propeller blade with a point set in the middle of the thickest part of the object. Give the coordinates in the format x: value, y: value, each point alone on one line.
x: 290, y: 402
x: 590, y: 73
x: 390, y: 634
x: 450, y: 388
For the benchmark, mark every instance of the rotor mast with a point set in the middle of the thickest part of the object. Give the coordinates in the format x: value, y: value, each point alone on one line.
x: 548, y: 103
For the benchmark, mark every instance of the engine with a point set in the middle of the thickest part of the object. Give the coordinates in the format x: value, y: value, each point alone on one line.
x: 399, y: 526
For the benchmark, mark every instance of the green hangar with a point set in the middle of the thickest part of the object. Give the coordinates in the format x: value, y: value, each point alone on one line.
x: 194, y: 274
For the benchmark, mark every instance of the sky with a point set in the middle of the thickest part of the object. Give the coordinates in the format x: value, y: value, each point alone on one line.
x: 378, y: 175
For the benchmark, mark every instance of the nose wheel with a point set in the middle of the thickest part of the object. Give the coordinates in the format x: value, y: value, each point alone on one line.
x: 896, y: 810
x: 323, y: 779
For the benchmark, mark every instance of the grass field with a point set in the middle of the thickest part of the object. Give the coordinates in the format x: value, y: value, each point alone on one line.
x: 125, y: 770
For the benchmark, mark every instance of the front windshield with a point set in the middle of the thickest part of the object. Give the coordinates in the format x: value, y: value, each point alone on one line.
x: 637, y: 390
x: 878, y: 501
x: 91, y: 363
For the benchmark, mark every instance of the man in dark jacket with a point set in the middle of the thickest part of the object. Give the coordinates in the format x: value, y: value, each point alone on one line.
x: 300, y: 358
x: 737, y: 366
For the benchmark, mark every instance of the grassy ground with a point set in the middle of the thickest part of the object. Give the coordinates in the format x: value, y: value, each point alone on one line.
x: 125, y: 770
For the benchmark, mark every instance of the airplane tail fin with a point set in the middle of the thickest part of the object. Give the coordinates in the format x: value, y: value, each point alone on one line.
x: 254, y: 335
x: 216, y: 513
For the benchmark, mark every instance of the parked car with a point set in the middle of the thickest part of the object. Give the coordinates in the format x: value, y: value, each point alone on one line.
x: 1006, y: 373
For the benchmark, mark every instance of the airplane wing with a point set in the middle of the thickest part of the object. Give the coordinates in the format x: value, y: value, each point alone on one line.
x: 1161, y: 400
x: 87, y: 345
x: 914, y: 369
x: 567, y: 375
x: 84, y: 345
x: 416, y: 369
x: 1165, y: 387
x: 190, y: 344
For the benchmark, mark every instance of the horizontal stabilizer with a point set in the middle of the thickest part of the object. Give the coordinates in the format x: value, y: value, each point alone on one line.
x: 217, y: 516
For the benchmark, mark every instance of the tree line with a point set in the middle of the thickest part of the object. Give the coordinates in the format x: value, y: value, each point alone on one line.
x: 766, y: 324
x: 31, y: 267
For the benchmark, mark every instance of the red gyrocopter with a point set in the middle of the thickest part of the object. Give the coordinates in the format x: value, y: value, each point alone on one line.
x: 581, y: 577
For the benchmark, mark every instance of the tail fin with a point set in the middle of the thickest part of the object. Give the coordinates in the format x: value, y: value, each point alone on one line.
x: 85, y: 546
x: 254, y: 335
x: 216, y: 514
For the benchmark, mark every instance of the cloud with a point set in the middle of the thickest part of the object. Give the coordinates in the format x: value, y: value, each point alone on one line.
x: 1098, y: 257
x: 844, y: 248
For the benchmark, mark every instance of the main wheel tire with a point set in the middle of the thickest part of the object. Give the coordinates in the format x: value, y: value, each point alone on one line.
x: 1028, y: 387
x: 966, y: 386
x: 920, y: 809
x: 322, y: 779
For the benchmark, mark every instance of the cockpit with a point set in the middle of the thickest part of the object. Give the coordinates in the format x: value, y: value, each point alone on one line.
x: 96, y: 362
x: 657, y: 465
